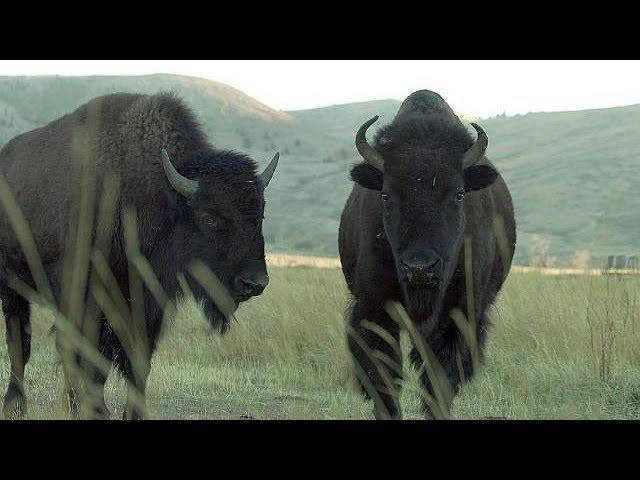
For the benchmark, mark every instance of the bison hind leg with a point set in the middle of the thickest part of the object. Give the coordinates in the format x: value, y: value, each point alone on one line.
x: 18, y: 336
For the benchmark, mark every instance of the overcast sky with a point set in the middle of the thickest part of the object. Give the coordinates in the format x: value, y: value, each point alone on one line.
x: 476, y: 88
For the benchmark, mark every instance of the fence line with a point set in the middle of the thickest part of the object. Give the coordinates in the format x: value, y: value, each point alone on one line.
x: 574, y: 271
x: 288, y: 260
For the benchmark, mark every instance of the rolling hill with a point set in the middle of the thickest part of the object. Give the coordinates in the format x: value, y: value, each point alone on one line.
x: 573, y: 175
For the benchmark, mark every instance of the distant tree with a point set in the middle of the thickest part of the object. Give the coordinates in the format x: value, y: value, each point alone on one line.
x: 580, y: 259
x: 540, y: 252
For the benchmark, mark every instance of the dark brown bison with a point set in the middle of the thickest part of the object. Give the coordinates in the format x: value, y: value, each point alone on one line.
x: 424, y: 187
x: 192, y: 202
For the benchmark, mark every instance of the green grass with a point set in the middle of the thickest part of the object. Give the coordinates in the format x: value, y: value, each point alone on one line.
x: 560, y: 347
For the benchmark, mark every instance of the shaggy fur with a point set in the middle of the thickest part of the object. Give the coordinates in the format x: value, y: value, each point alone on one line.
x: 124, y: 134
x: 412, y: 209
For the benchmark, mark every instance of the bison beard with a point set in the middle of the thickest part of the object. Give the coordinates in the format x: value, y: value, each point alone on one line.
x: 217, y: 319
x: 424, y: 304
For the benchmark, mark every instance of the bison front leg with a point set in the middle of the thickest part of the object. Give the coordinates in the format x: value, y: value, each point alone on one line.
x: 89, y: 405
x: 373, y: 340
x: 71, y: 372
x: 457, y: 357
x: 137, y: 366
x: 136, y: 373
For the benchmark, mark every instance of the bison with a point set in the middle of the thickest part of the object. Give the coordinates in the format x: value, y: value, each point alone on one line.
x: 192, y: 202
x: 424, y: 187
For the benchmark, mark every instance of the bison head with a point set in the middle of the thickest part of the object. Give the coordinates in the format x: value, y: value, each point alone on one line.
x: 423, y: 164
x: 216, y: 210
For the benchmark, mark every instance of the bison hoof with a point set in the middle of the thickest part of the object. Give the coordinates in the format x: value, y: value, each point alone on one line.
x: 393, y: 414
x: 15, y: 405
x: 101, y: 412
x: 132, y: 415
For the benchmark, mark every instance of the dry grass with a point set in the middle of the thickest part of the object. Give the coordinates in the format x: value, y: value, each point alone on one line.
x: 560, y: 347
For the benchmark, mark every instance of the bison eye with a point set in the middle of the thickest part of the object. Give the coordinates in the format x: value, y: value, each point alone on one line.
x: 385, y: 196
x: 209, y: 220
x: 459, y: 197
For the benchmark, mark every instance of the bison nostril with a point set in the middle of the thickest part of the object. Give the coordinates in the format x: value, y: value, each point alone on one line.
x: 247, y: 287
x: 432, y: 264
x: 257, y: 288
x: 423, y: 270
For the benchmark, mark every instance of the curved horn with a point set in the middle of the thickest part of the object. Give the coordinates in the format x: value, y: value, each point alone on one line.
x: 370, y: 155
x: 475, y: 153
x: 180, y: 183
x: 267, y: 173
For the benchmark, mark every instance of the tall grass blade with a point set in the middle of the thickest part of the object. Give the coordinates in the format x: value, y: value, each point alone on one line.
x: 432, y: 367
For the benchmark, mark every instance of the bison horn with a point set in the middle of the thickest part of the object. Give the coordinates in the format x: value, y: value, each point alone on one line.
x: 267, y: 173
x: 475, y: 153
x: 179, y: 182
x: 370, y: 155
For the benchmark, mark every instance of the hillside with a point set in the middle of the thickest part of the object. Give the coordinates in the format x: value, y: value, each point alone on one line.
x: 573, y: 175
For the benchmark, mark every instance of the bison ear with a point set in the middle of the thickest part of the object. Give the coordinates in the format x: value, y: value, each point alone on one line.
x: 367, y: 175
x: 477, y: 177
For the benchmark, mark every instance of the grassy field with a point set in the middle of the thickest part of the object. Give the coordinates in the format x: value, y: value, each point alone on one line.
x: 560, y: 347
